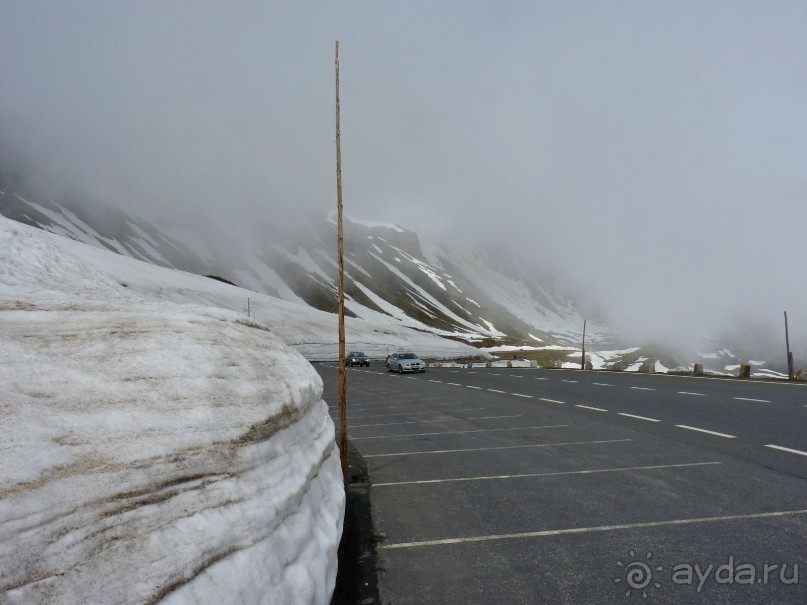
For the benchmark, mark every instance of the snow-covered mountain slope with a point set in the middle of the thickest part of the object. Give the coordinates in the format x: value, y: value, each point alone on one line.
x: 155, y: 447
x: 458, y: 294
x: 399, y: 287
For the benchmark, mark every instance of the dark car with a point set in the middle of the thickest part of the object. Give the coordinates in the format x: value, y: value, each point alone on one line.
x: 356, y: 358
x: 405, y: 362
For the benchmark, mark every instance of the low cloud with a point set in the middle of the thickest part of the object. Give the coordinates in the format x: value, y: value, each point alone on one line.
x: 647, y: 158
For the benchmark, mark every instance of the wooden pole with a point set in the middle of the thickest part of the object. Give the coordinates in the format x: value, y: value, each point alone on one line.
x: 341, y: 292
x: 583, y: 357
x: 791, y: 370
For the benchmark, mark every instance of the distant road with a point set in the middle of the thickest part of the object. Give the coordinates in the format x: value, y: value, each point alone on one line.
x: 498, y: 485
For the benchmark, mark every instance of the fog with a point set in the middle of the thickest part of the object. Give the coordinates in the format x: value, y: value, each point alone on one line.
x: 649, y: 156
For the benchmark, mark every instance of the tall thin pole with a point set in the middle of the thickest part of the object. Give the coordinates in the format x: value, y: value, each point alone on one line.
x: 791, y: 371
x: 583, y: 357
x: 341, y: 292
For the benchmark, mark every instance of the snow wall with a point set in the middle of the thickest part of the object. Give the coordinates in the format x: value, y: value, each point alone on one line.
x: 152, y: 451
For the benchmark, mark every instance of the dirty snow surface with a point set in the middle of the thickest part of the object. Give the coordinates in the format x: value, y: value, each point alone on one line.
x: 156, y: 446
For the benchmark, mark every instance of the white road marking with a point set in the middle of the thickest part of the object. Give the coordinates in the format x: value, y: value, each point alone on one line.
x: 361, y: 426
x: 407, y: 408
x: 555, y: 474
x: 639, y: 417
x: 431, y: 380
x: 470, y: 372
x: 500, y: 447
x: 454, y: 384
x: 550, y: 400
x: 495, y: 374
x: 514, y: 428
x: 542, y: 379
x: 496, y: 391
x: 643, y: 389
x: 571, y: 381
x: 754, y: 400
x: 787, y: 449
x: 588, y: 407
x: 490, y: 417
x: 520, y: 395
x: 409, y: 413
x: 693, y: 428
x: 601, y: 528
x: 515, y: 376
x: 693, y: 394
x: 470, y: 386
x: 602, y: 384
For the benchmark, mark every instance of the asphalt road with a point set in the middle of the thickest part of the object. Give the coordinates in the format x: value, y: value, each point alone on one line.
x: 553, y: 486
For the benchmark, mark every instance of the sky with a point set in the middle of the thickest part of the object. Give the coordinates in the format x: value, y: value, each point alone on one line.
x: 649, y: 155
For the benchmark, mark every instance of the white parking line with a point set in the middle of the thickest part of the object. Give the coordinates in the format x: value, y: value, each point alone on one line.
x: 500, y: 447
x: 398, y: 407
x: 693, y: 428
x: 454, y: 384
x: 490, y: 417
x: 431, y: 380
x: 514, y: 428
x: 693, y: 394
x: 542, y: 379
x: 643, y: 388
x: 588, y: 407
x: 520, y: 395
x: 787, y: 449
x: 409, y: 413
x: 470, y: 386
x: 555, y: 474
x: 601, y: 528
x: 496, y: 391
x: 602, y: 384
x: 515, y: 376
x: 362, y: 426
x: 571, y: 381
x: 550, y: 400
x: 639, y: 417
x: 754, y: 400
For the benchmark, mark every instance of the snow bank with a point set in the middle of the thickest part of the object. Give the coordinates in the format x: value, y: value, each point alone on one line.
x: 154, y: 451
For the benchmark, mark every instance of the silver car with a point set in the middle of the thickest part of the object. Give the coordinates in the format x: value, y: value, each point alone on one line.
x: 405, y: 362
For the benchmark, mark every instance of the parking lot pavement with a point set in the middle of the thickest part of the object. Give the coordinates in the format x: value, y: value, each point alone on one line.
x: 493, y: 495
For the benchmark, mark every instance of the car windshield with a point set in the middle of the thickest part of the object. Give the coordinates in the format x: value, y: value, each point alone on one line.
x: 407, y: 356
